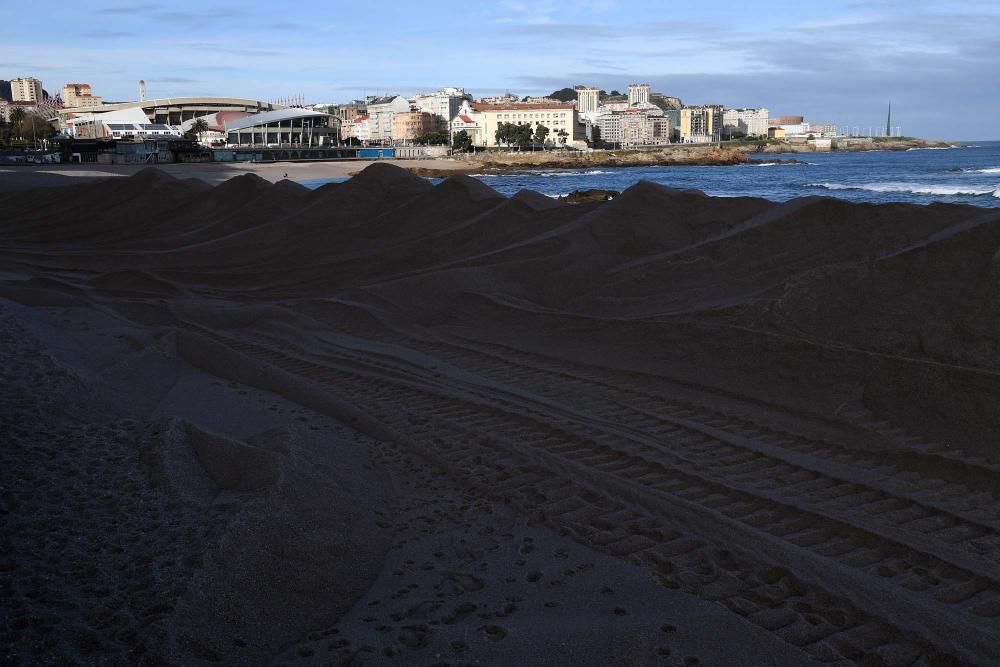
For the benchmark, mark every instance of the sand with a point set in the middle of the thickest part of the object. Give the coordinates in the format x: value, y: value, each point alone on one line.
x: 391, y: 422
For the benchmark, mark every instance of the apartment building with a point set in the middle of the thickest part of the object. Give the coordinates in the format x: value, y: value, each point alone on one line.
x: 79, y: 95
x: 407, y: 126
x: 642, y: 126
x: 701, y: 124
x: 638, y: 93
x: 380, y: 113
x: 747, y: 122
x: 26, y: 89
x: 587, y: 99
x: 443, y: 104
x: 355, y: 128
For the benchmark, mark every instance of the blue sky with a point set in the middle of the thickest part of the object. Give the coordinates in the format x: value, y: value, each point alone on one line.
x: 836, y: 61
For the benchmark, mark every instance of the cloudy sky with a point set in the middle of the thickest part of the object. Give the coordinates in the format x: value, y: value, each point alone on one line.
x: 832, y: 61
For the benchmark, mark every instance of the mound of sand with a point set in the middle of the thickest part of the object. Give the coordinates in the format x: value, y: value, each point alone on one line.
x: 393, y: 421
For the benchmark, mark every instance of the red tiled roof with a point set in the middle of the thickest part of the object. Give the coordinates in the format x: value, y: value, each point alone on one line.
x: 465, y: 119
x: 476, y: 106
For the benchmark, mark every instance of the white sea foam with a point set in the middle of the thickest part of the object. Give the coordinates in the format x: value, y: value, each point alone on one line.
x: 913, y: 188
x: 988, y: 170
x: 932, y: 148
x: 592, y: 172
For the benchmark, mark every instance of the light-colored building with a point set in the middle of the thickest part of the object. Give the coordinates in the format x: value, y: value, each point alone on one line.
x: 561, y: 119
x: 80, y: 95
x: 701, y: 124
x: 408, y: 126
x: 26, y: 89
x: 746, y: 122
x: 120, y: 124
x: 638, y: 93
x: 507, y: 98
x: 443, y: 104
x: 587, y: 99
x: 637, y: 126
x: 380, y: 113
x: 355, y: 128
x: 464, y: 122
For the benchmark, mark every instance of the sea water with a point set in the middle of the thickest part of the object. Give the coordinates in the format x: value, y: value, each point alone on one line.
x: 967, y: 174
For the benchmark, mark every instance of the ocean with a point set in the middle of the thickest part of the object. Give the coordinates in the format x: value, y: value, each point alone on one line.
x: 966, y: 175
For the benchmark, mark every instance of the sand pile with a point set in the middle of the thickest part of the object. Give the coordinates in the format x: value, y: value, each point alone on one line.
x: 394, y: 421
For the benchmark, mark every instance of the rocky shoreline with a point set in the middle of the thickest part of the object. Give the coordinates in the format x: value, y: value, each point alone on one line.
x: 675, y: 155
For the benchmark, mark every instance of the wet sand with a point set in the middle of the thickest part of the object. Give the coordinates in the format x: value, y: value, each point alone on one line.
x: 388, y: 422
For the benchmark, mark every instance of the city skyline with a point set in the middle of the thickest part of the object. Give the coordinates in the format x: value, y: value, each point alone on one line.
x: 841, y: 63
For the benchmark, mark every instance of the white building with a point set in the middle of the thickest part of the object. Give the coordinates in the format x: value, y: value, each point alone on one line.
x: 380, y: 113
x: 638, y: 93
x: 749, y: 122
x: 587, y: 99
x: 443, y: 104
x: 356, y: 128
x: 26, y: 89
x: 120, y: 124
x: 561, y: 119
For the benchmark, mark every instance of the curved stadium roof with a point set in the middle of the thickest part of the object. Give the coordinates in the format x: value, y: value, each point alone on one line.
x: 273, y: 117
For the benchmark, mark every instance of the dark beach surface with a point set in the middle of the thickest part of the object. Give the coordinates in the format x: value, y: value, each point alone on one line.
x: 390, y: 421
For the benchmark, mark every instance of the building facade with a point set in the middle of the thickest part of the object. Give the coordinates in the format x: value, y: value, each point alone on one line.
x: 561, y: 119
x: 587, y: 100
x: 26, y: 89
x: 638, y: 93
x: 442, y: 104
x: 80, y: 95
x: 746, y: 122
x: 701, y: 124
x: 408, y: 126
x: 355, y: 128
x: 380, y: 113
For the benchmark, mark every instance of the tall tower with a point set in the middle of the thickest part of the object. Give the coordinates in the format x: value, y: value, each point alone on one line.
x: 638, y: 93
x: 142, y: 90
x: 888, y: 122
x: 587, y: 99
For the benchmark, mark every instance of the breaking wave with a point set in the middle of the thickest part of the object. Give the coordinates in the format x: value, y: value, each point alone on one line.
x: 913, y: 188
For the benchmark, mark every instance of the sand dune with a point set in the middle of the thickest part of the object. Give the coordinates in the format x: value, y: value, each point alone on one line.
x: 391, y: 422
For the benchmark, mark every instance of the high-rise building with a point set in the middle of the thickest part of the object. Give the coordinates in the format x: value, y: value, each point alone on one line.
x: 26, y: 89
x: 748, y: 122
x: 76, y: 95
x: 638, y: 93
x: 587, y: 99
x: 701, y: 124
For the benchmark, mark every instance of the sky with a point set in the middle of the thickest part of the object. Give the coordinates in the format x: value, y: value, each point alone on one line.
x: 831, y: 61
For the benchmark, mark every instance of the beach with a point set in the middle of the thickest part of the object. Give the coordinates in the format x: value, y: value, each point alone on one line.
x: 397, y: 421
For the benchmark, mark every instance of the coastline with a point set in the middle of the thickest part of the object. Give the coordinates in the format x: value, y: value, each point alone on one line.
x: 22, y: 177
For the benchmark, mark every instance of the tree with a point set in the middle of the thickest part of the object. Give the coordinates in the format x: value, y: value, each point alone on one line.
x: 432, y: 139
x: 462, y: 142
x: 565, y: 95
x: 17, y: 115
x: 198, y: 127
x: 540, y: 133
x: 522, y: 134
x: 562, y: 136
